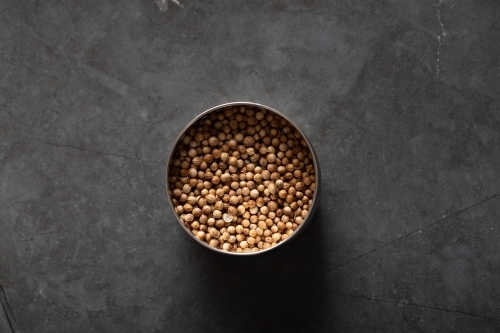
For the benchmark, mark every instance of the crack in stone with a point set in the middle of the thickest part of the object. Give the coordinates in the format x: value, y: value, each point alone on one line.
x: 412, y: 233
x: 443, y: 34
x: 96, y: 152
x: 373, y: 299
x: 403, y: 317
x: 7, y: 311
x: 352, y: 122
x: 13, y: 205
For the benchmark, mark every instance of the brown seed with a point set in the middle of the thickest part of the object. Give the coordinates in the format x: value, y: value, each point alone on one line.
x: 186, y: 188
x: 224, y: 157
x: 259, y: 202
x: 196, y: 212
x: 187, y: 208
x: 233, y: 161
x: 271, y: 158
x: 192, y: 172
x: 272, y: 206
x: 219, y: 223
x: 217, y: 214
x: 233, y: 200
x: 213, y: 141
x: 254, y: 194
x: 238, y: 137
x: 188, y: 218
x: 211, y: 198
x: 249, y: 141
x: 232, y: 210
x: 272, y: 188
x: 192, y: 153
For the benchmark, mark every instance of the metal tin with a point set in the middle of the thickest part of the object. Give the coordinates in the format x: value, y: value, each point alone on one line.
x: 312, y: 208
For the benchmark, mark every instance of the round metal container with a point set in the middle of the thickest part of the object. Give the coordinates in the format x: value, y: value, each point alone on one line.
x: 312, y: 208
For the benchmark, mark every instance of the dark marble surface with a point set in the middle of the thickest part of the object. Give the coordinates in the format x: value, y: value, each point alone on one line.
x: 400, y: 100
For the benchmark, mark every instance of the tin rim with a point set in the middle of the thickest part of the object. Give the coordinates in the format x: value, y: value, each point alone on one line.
x: 312, y: 208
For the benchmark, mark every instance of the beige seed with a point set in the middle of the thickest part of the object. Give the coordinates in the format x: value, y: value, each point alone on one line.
x: 276, y: 237
x: 272, y: 206
x: 206, y: 210
x: 254, y: 194
x: 272, y: 188
x: 186, y: 188
x: 214, y: 233
x: 262, y: 225
x: 232, y: 211
x: 227, y: 218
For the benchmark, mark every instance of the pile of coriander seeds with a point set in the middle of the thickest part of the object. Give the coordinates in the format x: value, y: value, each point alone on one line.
x: 242, y: 179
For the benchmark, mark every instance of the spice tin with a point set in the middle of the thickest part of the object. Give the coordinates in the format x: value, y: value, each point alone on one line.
x: 312, y: 208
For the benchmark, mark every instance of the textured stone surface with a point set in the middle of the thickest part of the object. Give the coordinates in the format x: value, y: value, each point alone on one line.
x: 400, y: 100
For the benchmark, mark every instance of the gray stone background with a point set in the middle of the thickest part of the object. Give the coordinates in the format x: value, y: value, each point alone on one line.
x: 399, y: 98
